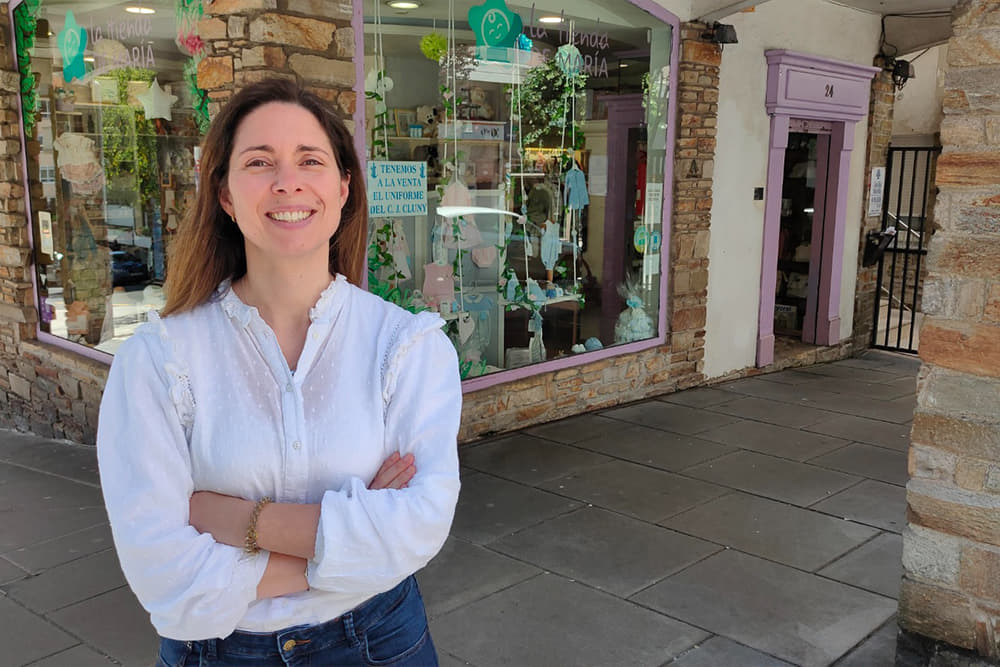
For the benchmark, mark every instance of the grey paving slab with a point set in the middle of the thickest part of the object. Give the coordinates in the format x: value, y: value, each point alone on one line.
x: 771, y: 412
x: 448, y: 660
x: 799, y: 617
x: 788, y: 443
x: 78, y: 462
x: 605, y: 550
x: 26, y: 637
x: 766, y: 387
x: 877, y: 650
x: 779, y: 479
x: 489, y: 507
x: 656, y: 448
x: 527, y: 459
x: 887, y: 465
x: 63, y: 549
x: 635, y: 490
x: 69, y: 583
x: 551, y: 621
x: 463, y: 572
x: 876, y: 566
x: 10, y: 572
x: 669, y: 417
x: 576, y: 428
x: 883, y: 391
x: 835, y: 370
x: 776, y: 531
x: 870, y: 502
x: 25, y: 526
x: 792, y: 376
x: 115, y: 624
x: 872, y: 360
x: 722, y: 652
x: 861, y: 429
x: 78, y: 656
x: 898, y: 411
x: 701, y: 397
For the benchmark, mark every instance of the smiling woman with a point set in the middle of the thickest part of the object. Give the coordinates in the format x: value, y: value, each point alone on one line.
x: 272, y: 471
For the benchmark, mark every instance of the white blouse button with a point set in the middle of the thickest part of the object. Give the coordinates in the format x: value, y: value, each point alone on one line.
x: 296, y: 445
x: 288, y: 387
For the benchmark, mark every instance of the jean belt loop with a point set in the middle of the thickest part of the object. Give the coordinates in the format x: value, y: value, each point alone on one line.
x: 349, y: 630
x: 210, y: 649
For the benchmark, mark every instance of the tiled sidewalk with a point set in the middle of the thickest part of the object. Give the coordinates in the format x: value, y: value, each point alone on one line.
x: 754, y: 523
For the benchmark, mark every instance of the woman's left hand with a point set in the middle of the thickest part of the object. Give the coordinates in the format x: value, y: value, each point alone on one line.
x: 225, y: 517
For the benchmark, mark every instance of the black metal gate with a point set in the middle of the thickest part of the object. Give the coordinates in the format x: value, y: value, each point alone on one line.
x: 905, y: 208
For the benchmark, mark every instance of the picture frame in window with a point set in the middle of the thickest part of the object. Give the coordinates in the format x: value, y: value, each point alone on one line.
x: 404, y: 119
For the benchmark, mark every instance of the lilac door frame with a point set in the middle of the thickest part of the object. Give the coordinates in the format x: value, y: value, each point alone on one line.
x: 801, y: 86
x: 624, y: 113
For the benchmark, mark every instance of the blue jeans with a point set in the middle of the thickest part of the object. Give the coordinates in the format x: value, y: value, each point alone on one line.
x: 389, y: 629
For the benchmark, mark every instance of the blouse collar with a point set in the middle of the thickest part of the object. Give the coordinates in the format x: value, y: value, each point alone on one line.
x: 325, y: 310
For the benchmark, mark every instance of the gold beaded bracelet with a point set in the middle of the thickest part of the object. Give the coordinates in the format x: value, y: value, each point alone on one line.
x: 250, y: 543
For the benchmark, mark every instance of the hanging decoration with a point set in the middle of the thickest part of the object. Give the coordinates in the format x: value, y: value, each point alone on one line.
x: 72, y: 42
x: 25, y: 26
x: 187, y: 14
x: 494, y: 24
x: 156, y: 102
x: 434, y: 45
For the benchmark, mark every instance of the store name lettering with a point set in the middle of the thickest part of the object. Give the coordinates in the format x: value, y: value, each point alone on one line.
x: 595, y: 65
x: 139, y: 55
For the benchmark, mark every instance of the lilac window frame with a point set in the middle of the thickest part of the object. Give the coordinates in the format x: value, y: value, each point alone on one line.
x: 41, y: 336
x: 801, y: 86
x: 503, y: 377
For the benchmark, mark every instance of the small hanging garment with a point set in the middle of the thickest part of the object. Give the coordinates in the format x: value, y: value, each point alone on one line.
x: 575, y: 197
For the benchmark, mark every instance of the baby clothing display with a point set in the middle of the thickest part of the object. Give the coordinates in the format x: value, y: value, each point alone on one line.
x: 551, y: 245
x: 575, y: 196
x: 467, y: 234
x: 634, y: 323
x: 439, y: 285
x: 78, y: 162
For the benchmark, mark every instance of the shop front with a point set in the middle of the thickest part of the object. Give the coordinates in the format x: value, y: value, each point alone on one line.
x: 519, y: 163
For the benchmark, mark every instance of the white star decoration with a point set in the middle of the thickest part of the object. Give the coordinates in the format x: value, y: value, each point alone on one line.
x: 156, y: 102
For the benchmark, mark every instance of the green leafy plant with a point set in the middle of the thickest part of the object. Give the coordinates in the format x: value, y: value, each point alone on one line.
x: 129, y: 138
x: 25, y: 26
x: 546, y: 104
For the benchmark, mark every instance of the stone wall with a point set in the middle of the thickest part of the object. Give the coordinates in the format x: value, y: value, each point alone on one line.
x: 951, y: 548
x: 677, y: 364
x: 252, y: 39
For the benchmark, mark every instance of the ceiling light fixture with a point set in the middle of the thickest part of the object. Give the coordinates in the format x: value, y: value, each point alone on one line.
x: 403, y: 4
x: 140, y: 10
x: 550, y: 19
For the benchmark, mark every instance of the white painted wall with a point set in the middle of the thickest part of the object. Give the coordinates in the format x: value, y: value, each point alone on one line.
x: 917, y: 110
x: 809, y: 26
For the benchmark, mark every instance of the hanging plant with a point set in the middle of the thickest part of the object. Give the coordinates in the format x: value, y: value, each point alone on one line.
x: 129, y: 138
x: 546, y: 103
x: 25, y: 27
x: 434, y: 45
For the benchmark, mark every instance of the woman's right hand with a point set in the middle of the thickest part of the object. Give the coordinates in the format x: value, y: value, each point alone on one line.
x: 395, y: 473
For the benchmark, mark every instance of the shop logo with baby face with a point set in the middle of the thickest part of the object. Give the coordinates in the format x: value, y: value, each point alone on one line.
x: 72, y: 41
x: 494, y: 24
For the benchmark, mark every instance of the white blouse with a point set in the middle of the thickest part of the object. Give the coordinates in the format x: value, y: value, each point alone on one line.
x: 204, y: 400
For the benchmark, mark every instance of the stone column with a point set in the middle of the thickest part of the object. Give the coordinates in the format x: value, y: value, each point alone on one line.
x: 248, y: 40
x: 698, y: 108
x: 950, y: 595
x: 880, y: 114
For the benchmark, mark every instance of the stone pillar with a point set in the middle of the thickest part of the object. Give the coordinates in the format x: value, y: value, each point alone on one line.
x: 248, y: 40
x: 698, y: 108
x: 950, y: 595
x: 880, y: 111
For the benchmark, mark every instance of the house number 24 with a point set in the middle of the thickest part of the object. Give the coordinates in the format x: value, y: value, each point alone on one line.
x: 829, y: 90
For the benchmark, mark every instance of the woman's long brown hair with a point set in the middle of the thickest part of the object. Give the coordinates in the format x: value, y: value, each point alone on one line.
x: 209, y: 246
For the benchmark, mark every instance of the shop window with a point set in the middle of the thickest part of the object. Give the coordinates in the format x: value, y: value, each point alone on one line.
x: 516, y: 174
x: 111, y: 127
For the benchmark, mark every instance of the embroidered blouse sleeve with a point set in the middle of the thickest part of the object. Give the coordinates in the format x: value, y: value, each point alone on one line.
x: 193, y: 587
x: 370, y: 540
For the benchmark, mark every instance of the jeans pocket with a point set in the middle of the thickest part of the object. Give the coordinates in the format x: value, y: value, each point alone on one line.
x: 400, y: 634
x: 173, y: 653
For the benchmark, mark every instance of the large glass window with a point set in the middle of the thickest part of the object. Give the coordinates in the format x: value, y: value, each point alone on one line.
x: 111, y: 126
x: 516, y: 173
